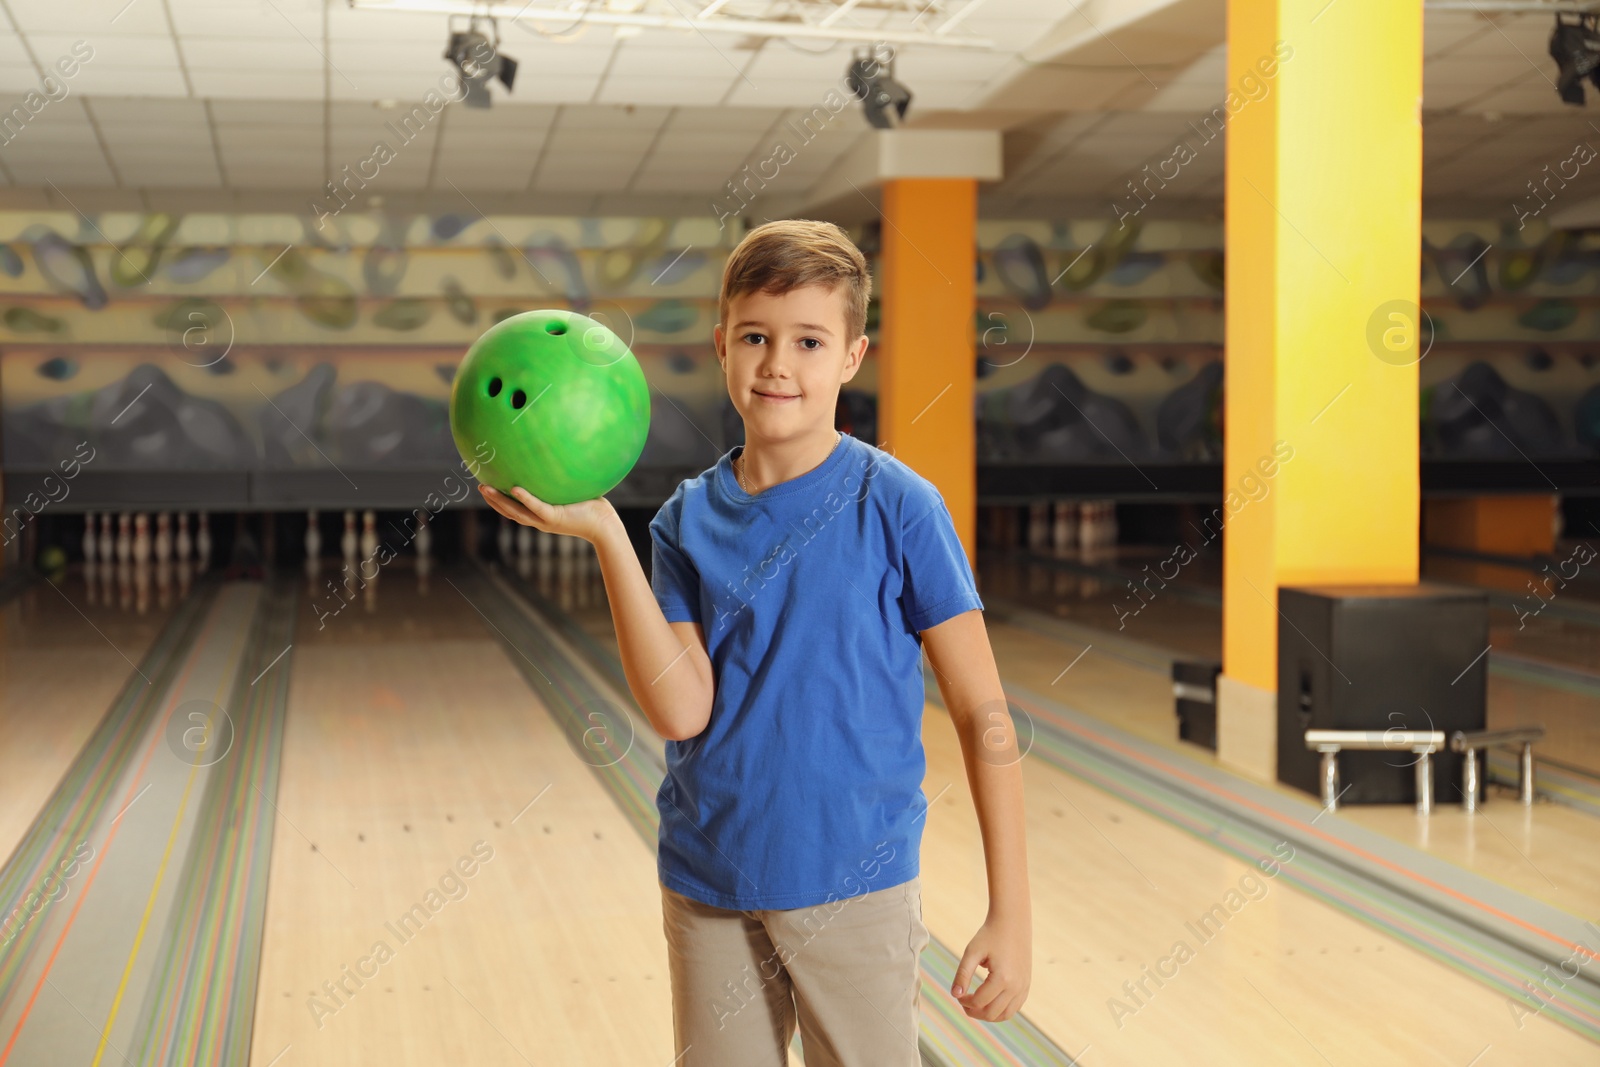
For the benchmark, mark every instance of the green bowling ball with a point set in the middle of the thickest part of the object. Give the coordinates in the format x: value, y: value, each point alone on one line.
x: 551, y: 401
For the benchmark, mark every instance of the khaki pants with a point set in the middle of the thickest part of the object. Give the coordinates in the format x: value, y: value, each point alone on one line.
x: 848, y: 971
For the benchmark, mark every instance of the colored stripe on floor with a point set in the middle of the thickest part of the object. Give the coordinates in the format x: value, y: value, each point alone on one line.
x: 201, y: 1000
x: 64, y: 822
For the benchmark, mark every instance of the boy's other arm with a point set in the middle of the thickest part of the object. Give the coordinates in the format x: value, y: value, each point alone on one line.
x: 666, y: 664
x: 958, y: 650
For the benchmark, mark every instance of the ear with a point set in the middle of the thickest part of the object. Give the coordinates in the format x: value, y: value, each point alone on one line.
x: 716, y: 342
x: 854, y: 357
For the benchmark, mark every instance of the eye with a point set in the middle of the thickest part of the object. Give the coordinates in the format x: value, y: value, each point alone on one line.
x: 746, y: 338
x: 811, y: 341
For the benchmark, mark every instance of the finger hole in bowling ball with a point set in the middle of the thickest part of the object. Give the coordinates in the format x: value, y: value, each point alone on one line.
x: 557, y: 328
x: 494, y: 386
x: 518, y: 399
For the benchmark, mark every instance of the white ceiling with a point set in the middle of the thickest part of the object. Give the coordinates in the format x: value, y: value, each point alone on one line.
x: 253, y: 103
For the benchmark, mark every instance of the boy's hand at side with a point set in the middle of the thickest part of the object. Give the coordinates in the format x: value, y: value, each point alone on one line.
x: 958, y: 651
x: 1005, y: 950
x: 587, y: 519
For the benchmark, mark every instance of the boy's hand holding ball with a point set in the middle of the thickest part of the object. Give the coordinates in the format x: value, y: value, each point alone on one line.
x: 588, y: 519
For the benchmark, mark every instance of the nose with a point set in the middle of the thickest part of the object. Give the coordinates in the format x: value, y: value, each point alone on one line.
x: 773, y: 365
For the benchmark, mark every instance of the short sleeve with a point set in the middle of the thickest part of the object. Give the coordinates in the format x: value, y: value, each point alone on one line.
x: 673, y: 577
x: 938, y: 581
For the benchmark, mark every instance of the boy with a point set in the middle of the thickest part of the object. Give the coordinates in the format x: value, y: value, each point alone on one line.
x: 776, y: 648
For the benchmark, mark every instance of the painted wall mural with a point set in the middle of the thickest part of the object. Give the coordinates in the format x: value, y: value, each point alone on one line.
x: 260, y: 342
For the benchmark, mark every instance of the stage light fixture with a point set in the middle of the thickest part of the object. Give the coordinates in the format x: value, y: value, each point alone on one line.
x: 872, y: 82
x: 479, y: 61
x: 1575, y: 46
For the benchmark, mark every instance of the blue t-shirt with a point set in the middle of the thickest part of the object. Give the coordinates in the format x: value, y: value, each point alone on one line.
x: 806, y: 785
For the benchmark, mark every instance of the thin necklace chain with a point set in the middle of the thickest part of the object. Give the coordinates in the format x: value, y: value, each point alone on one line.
x: 738, y: 464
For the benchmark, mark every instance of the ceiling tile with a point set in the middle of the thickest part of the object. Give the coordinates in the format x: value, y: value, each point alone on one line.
x: 256, y: 85
x: 124, y: 51
x: 122, y: 81
x: 686, y: 92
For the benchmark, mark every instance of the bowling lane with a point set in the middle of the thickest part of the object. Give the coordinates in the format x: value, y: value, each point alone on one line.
x: 449, y: 882
x: 65, y: 652
x: 1173, y: 621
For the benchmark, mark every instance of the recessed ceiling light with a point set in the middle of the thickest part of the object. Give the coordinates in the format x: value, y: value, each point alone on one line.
x: 387, y: 105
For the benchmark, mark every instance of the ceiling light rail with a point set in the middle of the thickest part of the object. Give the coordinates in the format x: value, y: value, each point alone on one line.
x: 712, y: 19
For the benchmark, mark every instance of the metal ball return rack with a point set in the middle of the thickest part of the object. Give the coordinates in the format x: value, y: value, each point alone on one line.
x: 1424, y: 743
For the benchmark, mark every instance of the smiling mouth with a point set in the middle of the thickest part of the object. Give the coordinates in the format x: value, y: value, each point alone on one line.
x: 775, y: 396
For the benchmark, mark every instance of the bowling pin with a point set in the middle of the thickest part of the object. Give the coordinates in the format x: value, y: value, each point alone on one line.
x: 163, y: 545
x: 202, y: 543
x: 107, y: 543
x: 141, y: 583
x: 564, y: 596
x: 124, y: 537
x: 524, y: 542
x: 1086, y: 525
x: 424, y: 539
x: 580, y: 576
x: 141, y: 537
x: 347, y: 540
x: 547, y: 543
x: 89, y: 545
x: 503, y: 538
x: 369, y: 537
x: 1038, y: 525
x: 313, y: 539
x: 184, y: 542
x: 1064, y: 530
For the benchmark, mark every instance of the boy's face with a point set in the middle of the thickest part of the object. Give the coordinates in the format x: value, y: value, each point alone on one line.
x: 785, y: 358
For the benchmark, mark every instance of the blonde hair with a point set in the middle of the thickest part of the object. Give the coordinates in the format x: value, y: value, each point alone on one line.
x: 776, y: 257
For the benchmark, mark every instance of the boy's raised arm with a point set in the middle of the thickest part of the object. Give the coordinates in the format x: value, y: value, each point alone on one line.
x: 666, y: 664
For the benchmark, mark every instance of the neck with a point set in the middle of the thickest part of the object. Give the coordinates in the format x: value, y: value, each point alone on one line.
x: 765, y: 464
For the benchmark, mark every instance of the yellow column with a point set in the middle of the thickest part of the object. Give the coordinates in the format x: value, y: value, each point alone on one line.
x: 1323, y: 210
x: 926, y: 360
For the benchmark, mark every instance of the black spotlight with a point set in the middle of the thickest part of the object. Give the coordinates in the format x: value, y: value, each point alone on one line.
x: 480, y: 61
x: 1575, y: 46
x: 872, y: 82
